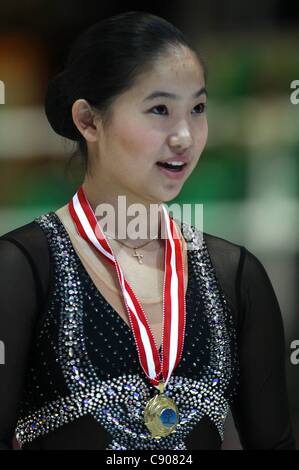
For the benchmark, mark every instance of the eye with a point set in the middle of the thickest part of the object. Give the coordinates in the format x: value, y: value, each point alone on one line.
x: 158, y: 106
x: 203, y: 107
x: 200, y: 106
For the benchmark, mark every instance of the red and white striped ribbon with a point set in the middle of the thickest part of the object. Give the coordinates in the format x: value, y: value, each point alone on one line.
x: 174, y: 309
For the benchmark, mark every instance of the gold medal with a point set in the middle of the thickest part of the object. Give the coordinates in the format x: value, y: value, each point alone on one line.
x: 161, y: 415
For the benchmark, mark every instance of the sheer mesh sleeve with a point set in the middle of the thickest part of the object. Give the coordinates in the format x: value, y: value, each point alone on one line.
x: 18, y: 310
x: 260, y: 409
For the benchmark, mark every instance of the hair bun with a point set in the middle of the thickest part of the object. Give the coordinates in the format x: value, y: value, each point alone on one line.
x: 58, y: 110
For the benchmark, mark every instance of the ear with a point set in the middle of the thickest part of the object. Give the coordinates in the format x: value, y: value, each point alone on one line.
x: 85, y: 120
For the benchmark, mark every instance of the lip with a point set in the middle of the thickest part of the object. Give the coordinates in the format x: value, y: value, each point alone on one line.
x: 178, y: 158
x: 172, y: 174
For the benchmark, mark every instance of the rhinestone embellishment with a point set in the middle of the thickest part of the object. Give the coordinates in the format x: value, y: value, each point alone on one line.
x: 96, y: 369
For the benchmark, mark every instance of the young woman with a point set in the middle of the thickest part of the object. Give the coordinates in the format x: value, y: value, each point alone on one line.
x: 118, y: 343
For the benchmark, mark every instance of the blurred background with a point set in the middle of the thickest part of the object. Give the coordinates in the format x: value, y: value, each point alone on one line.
x: 248, y: 175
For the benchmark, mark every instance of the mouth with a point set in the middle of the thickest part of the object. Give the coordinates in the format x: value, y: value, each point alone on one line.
x: 173, y: 171
x: 175, y: 167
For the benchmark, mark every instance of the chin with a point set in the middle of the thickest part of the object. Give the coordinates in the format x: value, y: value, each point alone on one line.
x: 168, y: 196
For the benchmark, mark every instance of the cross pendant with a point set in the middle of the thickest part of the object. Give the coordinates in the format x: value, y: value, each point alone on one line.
x: 139, y: 256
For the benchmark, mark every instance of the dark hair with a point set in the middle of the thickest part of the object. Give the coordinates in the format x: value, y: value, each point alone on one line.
x: 104, y: 61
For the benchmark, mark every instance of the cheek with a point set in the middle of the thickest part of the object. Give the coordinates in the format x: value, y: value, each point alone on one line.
x: 202, y: 135
x: 136, y: 140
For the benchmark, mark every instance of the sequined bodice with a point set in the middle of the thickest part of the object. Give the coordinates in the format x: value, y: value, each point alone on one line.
x: 85, y: 360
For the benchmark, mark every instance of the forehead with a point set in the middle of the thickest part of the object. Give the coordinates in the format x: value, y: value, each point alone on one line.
x: 176, y: 71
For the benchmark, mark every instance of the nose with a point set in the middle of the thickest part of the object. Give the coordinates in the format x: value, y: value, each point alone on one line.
x: 181, y: 140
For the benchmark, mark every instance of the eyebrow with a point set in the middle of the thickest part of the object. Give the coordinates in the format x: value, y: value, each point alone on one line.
x: 165, y: 94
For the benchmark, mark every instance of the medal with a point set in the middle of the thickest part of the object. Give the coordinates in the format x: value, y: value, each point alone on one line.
x: 161, y: 414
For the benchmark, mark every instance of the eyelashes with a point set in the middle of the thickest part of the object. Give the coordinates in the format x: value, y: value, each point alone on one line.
x: 202, y: 105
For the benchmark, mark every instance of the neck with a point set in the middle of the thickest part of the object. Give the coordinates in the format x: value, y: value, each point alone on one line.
x: 134, y: 226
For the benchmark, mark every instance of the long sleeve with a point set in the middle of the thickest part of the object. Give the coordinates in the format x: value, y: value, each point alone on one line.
x: 18, y: 309
x: 261, y: 408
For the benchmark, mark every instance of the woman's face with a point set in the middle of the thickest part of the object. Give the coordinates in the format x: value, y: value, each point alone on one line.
x: 144, y: 131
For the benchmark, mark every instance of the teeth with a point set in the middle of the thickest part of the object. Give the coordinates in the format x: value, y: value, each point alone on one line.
x: 174, y: 163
